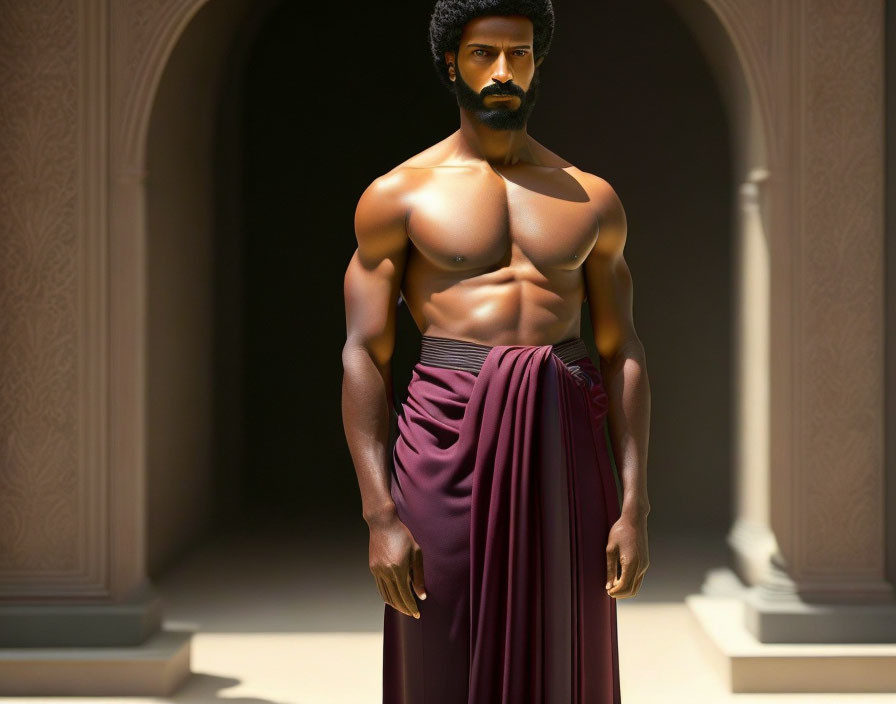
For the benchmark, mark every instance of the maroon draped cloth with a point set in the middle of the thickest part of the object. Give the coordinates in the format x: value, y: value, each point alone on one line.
x: 505, y: 480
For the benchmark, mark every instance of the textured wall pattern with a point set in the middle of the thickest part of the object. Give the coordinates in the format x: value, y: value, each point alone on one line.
x: 39, y: 286
x: 841, y: 262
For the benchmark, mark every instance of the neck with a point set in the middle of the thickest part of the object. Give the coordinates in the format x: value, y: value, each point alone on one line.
x: 498, y: 147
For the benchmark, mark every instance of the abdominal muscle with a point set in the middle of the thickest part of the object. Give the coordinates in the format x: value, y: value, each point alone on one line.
x: 512, y: 305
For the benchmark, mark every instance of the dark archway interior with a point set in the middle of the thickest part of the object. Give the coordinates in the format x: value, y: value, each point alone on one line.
x: 332, y: 100
x: 315, y: 102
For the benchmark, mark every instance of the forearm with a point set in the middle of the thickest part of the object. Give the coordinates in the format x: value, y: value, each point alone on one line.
x: 366, y: 413
x: 628, y: 389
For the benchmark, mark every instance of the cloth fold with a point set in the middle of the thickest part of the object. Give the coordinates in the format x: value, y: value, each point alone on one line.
x: 502, y: 473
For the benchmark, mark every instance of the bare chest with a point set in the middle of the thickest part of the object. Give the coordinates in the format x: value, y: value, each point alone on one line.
x: 464, y: 219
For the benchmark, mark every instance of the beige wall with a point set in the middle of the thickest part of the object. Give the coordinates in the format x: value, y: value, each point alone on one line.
x: 44, y: 388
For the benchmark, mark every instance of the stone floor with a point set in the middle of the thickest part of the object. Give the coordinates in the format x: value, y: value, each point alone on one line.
x: 279, y: 623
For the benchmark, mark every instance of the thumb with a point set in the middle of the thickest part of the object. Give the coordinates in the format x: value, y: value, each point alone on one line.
x: 612, y: 565
x: 417, y: 573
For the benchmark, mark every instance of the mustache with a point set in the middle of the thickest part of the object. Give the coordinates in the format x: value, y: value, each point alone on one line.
x: 503, y: 89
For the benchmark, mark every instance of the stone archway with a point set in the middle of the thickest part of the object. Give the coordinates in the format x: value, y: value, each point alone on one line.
x: 729, y: 39
x: 792, y: 338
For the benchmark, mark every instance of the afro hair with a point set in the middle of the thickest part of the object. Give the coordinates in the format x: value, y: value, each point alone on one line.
x: 449, y: 17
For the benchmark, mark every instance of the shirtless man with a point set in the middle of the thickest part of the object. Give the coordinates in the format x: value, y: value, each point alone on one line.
x: 490, y: 238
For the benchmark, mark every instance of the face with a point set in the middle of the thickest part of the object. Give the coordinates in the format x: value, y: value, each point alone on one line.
x: 494, y: 72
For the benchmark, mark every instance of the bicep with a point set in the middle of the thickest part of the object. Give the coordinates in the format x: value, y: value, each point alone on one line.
x: 374, y: 273
x: 609, y: 284
x: 610, y: 304
x: 371, y: 294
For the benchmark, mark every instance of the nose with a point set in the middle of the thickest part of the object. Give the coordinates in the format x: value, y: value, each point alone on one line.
x: 502, y: 72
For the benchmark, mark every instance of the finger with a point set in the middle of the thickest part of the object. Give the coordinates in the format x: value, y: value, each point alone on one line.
x: 388, y: 597
x: 394, y: 598
x: 625, y: 579
x: 626, y: 582
x: 612, y: 566
x: 409, y: 588
x: 417, y: 574
x: 622, y: 587
x: 403, y: 584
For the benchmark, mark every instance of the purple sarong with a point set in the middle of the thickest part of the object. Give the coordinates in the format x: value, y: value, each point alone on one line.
x: 502, y: 473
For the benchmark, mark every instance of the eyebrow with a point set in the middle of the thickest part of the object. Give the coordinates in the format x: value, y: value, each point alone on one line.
x: 492, y: 46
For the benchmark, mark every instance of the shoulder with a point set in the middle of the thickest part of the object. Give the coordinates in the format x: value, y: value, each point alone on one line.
x: 388, y: 194
x: 613, y: 226
x: 391, y: 189
x: 395, y: 182
x: 381, y: 214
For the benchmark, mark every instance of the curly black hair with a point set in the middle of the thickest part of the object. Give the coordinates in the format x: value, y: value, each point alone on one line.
x: 450, y: 16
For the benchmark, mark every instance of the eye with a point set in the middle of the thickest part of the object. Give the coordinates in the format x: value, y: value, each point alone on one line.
x: 521, y: 52
x: 478, y: 52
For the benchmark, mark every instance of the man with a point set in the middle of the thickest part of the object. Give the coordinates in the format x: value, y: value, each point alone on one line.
x: 496, y: 536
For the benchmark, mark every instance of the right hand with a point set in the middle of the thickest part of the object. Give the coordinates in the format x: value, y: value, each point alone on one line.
x: 396, y: 562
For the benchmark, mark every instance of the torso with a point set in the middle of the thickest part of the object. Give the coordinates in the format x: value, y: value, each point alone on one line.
x: 497, y: 251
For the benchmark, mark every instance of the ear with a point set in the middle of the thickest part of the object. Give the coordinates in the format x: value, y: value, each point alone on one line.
x: 539, y: 60
x: 450, y: 60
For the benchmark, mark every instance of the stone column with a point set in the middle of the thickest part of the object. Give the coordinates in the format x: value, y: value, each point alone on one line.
x: 78, y: 615
x: 814, y: 610
x: 751, y: 538
x: 827, y: 582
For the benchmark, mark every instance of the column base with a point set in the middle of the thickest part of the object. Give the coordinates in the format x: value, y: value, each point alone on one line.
x: 748, y: 665
x: 48, y: 625
x: 792, y: 620
x: 779, y: 610
x: 157, y: 667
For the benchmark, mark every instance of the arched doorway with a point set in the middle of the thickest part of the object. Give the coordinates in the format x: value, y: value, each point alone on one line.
x: 228, y: 397
x: 270, y: 118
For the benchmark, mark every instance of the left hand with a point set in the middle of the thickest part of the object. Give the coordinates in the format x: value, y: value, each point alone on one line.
x: 626, y: 546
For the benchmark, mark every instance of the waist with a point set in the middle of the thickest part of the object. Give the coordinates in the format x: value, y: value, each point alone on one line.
x: 451, y: 353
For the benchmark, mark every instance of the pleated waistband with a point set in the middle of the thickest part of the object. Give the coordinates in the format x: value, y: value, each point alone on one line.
x: 451, y: 353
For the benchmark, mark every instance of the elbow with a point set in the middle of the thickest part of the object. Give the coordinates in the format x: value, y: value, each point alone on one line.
x: 630, y: 348
x: 352, y: 351
x: 360, y: 352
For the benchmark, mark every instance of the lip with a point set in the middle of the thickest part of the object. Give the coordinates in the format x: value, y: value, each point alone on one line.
x: 501, y: 97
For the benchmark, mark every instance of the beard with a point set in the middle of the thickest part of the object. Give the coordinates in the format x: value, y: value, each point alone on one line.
x: 499, y: 118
